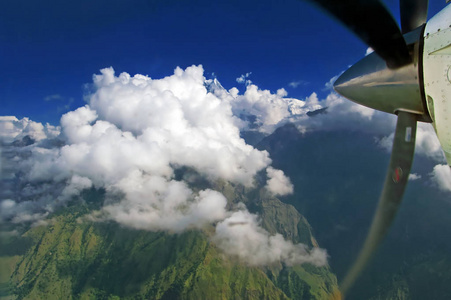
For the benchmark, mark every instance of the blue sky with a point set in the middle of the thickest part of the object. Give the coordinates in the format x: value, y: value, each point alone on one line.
x: 50, y: 49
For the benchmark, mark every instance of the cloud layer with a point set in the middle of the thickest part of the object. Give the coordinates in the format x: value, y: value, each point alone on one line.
x: 129, y: 140
x: 136, y: 132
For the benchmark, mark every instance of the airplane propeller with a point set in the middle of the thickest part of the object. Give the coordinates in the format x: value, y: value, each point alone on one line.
x: 414, y: 13
x: 372, y: 23
x: 391, y: 80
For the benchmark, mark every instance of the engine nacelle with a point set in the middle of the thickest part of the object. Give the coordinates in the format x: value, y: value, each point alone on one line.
x: 370, y: 82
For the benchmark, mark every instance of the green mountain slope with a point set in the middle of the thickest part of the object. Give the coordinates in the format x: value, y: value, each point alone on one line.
x: 72, y: 258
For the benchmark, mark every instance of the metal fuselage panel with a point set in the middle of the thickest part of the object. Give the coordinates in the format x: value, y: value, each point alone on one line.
x: 437, y: 75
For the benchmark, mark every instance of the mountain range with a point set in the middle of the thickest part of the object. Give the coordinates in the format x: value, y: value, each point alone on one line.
x: 338, y: 176
x: 74, y: 258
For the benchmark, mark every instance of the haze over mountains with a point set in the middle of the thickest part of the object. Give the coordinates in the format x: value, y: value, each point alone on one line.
x: 151, y: 163
x: 338, y: 195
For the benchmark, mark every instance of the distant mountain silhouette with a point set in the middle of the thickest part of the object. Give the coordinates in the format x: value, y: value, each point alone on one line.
x: 338, y: 177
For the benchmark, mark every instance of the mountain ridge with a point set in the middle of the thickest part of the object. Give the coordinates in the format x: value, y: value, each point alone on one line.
x: 72, y: 258
x: 338, y: 195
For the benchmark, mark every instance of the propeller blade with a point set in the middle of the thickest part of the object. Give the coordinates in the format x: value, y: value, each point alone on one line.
x: 371, y: 22
x: 390, y: 199
x: 414, y: 13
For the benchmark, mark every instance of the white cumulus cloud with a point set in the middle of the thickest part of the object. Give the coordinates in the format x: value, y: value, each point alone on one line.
x: 441, y: 176
x: 130, y: 139
x: 155, y: 203
x: 240, y: 235
x: 136, y: 132
x: 264, y: 110
x: 426, y: 143
x: 278, y: 183
x: 414, y: 176
x: 11, y: 128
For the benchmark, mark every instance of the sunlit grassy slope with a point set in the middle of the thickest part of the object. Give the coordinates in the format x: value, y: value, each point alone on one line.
x: 75, y: 259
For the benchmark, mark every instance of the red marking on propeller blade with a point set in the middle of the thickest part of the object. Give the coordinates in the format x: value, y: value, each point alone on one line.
x: 397, y: 175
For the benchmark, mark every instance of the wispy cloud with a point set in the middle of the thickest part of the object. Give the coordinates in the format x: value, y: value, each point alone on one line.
x: 256, y: 246
x: 63, y: 104
x: 54, y: 97
x: 414, y: 176
x: 297, y: 83
x: 244, y: 79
